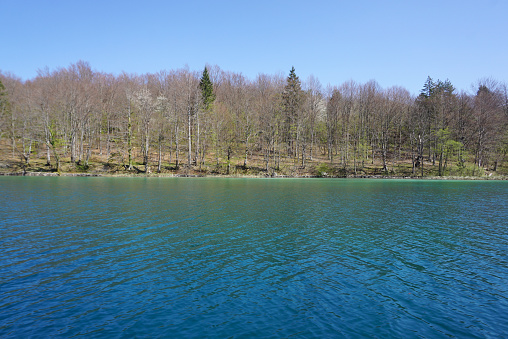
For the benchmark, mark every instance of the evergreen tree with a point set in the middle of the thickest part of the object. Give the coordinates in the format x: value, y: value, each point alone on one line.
x: 428, y: 88
x: 447, y: 87
x: 206, y: 87
x: 292, y: 92
x: 292, y: 101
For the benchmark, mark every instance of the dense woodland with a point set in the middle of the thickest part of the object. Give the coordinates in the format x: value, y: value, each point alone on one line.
x: 180, y: 121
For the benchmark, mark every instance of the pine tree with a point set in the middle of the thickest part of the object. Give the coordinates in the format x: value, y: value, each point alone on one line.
x: 448, y: 87
x: 206, y: 87
x: 292, y: 100
x: 428, y: 87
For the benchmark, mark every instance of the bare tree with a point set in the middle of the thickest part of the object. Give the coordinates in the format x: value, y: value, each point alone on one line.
x: 489, y: 118
x: 315, y: 109
x: 146, y: 107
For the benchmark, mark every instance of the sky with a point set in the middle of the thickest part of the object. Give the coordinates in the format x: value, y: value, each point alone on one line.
x: 396, y: 43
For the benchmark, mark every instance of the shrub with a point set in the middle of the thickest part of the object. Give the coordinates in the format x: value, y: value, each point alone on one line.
x: 323, y: 170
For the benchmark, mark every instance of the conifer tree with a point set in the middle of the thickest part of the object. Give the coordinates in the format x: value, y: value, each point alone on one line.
x: 428, y: 88
x: 206, y: 87
x: 207, y: 99
x: 292, y: 101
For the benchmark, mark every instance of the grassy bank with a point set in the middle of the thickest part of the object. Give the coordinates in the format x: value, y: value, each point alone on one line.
x: 12, y: 163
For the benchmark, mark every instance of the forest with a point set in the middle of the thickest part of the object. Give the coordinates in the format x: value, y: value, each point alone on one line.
x: 184, y: 122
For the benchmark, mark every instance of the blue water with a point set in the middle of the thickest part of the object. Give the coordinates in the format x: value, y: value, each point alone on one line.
x: 208, y: 257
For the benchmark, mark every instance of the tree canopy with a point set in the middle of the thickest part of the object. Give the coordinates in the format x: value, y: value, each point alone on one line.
x: 79, y: 119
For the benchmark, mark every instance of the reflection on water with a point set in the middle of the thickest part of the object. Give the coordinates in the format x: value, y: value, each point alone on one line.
x: 208, y: 257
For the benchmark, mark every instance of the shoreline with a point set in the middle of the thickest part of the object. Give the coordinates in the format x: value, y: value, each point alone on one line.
x: 164, y: 175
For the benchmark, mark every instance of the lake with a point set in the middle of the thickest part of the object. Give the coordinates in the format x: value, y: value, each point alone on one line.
x: 271, y: 258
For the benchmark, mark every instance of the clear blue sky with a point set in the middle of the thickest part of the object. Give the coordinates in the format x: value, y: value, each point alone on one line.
x: 393, y: 42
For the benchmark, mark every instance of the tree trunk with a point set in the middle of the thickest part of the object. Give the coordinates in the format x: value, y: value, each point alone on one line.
x: 196, y: 156
x: 440, y: 165
x: 129, y: 136
x: 159, y: 162
x: 48, y: 155
x: 189, y: 138
x: 146, y: 148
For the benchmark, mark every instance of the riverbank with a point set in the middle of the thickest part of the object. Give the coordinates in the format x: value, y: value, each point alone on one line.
x: 172, y: 175
x: 319, y: 167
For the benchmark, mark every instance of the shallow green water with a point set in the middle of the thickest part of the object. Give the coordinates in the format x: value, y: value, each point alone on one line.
x: 208, y: 257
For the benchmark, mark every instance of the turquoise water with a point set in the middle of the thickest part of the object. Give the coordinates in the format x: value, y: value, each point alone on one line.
x: 208, y: 257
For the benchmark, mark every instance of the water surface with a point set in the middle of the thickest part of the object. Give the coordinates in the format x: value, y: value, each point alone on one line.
x: 209, y: 257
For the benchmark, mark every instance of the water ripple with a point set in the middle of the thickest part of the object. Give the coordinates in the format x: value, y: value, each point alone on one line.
x: 100, y: 257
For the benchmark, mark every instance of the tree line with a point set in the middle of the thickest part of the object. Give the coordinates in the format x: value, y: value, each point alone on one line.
x: 211, y: 120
